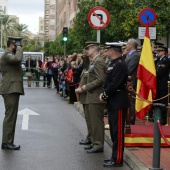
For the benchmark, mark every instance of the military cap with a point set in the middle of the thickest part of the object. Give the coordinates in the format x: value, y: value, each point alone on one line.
x: 114, y: 45
x: 162, y: 48
x: 91, y: 43
x: 16, y: 40
x: 123, y: 47
x: 157, y: 44
x: 102, y: 46
x: 107, y: 47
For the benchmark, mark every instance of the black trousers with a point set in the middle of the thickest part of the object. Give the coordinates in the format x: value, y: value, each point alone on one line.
x: 117, y: 124
x: 49, y: 79
x: 72, y: 94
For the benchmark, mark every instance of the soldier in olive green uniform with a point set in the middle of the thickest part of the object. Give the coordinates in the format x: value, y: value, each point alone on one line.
x: 93, y: 88
x: 82, y: 98
x: 11, y: 87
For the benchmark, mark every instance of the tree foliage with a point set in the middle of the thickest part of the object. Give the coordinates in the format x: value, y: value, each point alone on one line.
x: 123, y: 24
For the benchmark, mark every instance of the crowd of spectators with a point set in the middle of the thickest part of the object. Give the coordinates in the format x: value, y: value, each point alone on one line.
x: 61, y: 72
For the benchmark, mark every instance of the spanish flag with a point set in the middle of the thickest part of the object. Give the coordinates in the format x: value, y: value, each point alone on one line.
x: 146, y: 78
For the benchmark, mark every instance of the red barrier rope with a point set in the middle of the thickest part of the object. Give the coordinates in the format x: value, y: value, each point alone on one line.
x: 162, y: 133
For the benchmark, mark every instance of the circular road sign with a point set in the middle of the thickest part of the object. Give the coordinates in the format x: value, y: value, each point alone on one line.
x: 98, y: 18
x: 147, y: 16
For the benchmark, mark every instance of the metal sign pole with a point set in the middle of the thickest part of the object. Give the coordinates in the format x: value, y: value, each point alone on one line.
x: 98, y: 36
x: 64, y: 49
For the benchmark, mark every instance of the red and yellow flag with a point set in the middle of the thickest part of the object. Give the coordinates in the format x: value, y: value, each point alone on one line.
x: 146, y: 78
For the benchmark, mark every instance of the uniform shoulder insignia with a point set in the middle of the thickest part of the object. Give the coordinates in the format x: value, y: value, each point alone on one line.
x: 9, y: 53
x: 110, y: 68
x: 162, y: 65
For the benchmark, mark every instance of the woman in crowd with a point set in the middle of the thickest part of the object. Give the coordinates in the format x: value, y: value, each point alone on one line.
x: 37, y: 64
x: 61, y: 77
x: 50, y: 71
x: 29, y: 69
x: 44, y: 71
x: 55, y: 66
x: 73, y: 80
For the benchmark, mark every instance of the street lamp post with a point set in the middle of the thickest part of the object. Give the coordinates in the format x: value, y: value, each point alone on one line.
x: 1, y: 31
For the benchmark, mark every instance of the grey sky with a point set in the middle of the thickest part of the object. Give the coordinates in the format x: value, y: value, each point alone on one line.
x: 28, y: 12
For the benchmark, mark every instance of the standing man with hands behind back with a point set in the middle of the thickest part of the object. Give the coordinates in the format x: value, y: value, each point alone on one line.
x: 93, y: 88
x: 11, y: 87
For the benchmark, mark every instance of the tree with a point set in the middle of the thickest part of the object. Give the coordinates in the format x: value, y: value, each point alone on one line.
x: 123, y: 24
x: 7, y: 27
x: 21, y: 30
x: 124, y: 18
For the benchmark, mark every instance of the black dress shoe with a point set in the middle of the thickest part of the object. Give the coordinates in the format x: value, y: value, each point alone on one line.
x: 85, y: 142
x: 10, y: 146
x: 93, y: 150
x: 111, y: 164
x: 107, y: 160
x: 151, y: 119
x: 88, y: 147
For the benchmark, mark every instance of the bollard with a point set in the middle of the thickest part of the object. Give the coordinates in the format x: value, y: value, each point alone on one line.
x: 157, y: 137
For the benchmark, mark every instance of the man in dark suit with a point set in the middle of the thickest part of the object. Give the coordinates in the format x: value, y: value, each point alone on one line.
x: 11, y: 87
x: 95, y: 79
x: 116, y: 96
x: 132, y: 61
x: 162, y: 75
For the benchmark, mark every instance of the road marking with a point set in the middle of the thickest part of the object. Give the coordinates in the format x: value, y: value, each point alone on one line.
x: 25, y: 121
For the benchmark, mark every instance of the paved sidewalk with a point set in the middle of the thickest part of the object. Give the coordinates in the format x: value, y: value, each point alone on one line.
x: 138, y: 158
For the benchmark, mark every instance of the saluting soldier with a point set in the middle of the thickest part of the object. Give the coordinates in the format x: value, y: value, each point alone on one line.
x: 95, y: 79
x: 116, y: 96
x: 11, y: 87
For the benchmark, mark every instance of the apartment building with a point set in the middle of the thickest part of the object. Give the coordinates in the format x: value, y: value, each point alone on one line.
x: 41, y: 25
x: 66, y: 13
x: 3, y: 6
x: 50, y: 14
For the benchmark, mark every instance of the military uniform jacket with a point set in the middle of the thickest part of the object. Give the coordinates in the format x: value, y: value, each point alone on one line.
x: 95, y: 79
x: 115, y: 85
x: 12, y: 73
x: 162, y: 73
x: 83, y: 81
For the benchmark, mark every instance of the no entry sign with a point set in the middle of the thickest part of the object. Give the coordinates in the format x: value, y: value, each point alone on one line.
x: 98, y: 18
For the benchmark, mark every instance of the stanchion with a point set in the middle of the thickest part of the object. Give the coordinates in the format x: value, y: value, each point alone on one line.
x: 168, y: 109
x: 128, y: 113
x: 157, y: 137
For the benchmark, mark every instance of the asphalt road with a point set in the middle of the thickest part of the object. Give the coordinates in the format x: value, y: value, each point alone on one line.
x: 49, y: 139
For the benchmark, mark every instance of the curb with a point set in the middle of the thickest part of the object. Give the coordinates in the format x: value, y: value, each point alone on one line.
x: 129, y: 158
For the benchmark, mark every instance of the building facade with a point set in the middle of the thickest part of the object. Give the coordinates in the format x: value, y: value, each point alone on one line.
x: 4, y: 7
x: 65, y: 18
x: 50, y: 18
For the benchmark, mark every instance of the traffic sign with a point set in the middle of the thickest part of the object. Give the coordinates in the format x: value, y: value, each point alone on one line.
x: 142, y: 30
x: 98, y: 18
x: 147, y: 17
